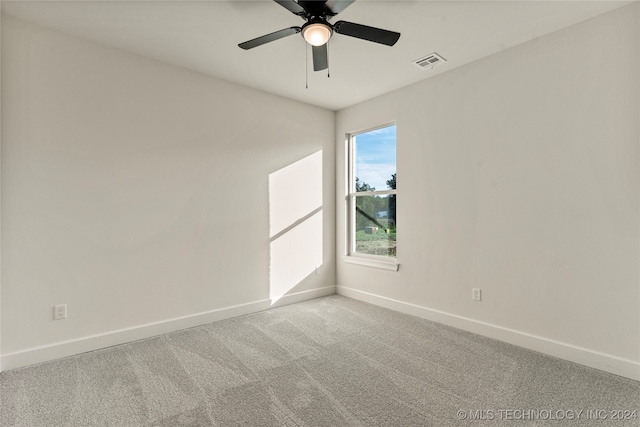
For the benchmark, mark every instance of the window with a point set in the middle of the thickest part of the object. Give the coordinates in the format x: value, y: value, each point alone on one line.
x: 372, y: 194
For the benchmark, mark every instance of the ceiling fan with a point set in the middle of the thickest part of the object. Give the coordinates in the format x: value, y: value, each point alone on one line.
x: 317, y: 30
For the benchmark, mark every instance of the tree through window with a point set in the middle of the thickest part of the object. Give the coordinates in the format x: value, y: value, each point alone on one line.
x: 372, y: 192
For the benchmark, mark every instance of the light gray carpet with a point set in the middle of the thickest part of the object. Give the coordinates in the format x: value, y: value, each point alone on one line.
x: 331, y: 361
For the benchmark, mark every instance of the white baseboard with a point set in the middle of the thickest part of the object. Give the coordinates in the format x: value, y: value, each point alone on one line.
x: 35, y: 355
x: 584, y: 356
x: 303, y: 296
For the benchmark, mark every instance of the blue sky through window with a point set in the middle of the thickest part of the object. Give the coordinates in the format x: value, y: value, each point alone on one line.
x: 375, y: 156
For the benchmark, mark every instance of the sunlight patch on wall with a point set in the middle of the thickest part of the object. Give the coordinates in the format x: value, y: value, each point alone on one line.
x: 295, y: 212
x: 294, y: 192
x: 295, y: 255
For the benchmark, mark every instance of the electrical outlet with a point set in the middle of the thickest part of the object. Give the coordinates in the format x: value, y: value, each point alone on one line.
x: 317, y: 271
x: 60, y: 312
x: 476, y: 294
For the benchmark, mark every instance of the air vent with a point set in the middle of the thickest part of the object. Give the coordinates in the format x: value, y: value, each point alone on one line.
x: 429, y: 61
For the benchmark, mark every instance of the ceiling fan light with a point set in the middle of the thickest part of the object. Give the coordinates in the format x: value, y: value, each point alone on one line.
x: 316, y: 34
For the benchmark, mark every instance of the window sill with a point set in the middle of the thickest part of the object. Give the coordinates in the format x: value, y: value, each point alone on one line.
x: 369, y: 262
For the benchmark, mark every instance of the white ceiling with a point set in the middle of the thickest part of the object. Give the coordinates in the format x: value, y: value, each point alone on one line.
x: 203, y: 36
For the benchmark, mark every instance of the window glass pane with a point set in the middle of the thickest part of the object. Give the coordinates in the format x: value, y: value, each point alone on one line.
x: 374, y: 162
x: 375, y: 225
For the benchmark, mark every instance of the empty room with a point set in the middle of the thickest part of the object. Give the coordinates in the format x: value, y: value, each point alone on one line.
x: 320, y: 213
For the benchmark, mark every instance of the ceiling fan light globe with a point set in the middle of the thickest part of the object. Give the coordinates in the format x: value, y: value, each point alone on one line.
x: 316, y: 34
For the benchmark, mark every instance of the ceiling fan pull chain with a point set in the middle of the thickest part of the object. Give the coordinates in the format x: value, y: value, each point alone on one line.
x: 328, y: 62
x: 306, y: 65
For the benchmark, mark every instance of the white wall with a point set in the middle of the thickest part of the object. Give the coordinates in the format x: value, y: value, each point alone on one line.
x: 518, y: 174
x: 139, y: 194
x: 0, y: 193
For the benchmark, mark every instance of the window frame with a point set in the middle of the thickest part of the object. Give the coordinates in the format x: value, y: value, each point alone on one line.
x: 352, y: 256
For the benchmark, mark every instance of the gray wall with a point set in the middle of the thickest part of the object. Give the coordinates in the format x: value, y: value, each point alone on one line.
x: 146, y: 197
x: 518, y: 174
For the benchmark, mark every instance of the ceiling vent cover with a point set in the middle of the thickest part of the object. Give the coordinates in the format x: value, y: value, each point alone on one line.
x: 429, y: 61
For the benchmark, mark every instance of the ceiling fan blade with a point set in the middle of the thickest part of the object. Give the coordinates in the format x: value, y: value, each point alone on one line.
x: 337, y: 6
x: 320, y: 57
x: 364, y: 32
x: 269, y: 38
x: 291, y: 6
